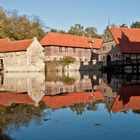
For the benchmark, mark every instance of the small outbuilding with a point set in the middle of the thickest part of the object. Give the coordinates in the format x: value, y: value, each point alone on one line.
x: 21, y: 56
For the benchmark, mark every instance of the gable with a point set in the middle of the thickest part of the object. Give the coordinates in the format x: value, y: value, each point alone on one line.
x: 108, y: 36
x: 128, y: 39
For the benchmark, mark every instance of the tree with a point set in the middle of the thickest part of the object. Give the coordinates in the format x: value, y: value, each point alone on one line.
x: 135, y: 24
x: 57, y: 31
x: 92, y: 32
x: 123, y: 25
x: 18, y: 27
x: 77, y: 29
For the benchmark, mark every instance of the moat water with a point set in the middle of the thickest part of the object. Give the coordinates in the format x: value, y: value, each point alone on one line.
x: 69, y: 106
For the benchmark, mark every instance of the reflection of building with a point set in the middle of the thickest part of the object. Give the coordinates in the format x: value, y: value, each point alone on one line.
x: 23, y: 55
x: 59, y: 45
x: 32, y: 84
x: 72, y: 98
x: 72, y: 83
x: 120, y: 94
x: 128, y: 98
x: 31, y: 88
x: 109, y: 89
x: 120, y: 44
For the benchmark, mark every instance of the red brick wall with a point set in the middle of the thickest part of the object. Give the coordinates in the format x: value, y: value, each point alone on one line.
x: 56, y: 51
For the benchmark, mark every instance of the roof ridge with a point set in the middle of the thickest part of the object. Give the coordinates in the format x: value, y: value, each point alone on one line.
x: 49, y: 33
x: 21, y: 40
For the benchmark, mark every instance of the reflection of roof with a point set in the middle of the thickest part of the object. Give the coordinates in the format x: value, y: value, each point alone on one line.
x: 129, y: 98
x: 8, y: 46
x: 134, y: 104
x: 7, y: 98
x: 130, y: 90
x: 57, y: 39
x: 72, y: 98
x: 128, y: 39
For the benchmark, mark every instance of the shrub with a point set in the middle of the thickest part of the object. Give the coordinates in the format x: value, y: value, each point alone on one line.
x: 67, y: 60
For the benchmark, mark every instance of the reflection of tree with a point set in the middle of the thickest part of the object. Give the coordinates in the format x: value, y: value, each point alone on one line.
x: 67, y: 80
x: 4, y: 136
x: 19, y: 114
x: 78, y: 108
x: 54, y: 76
x: 92, y: 106
x: 136, y: 111
x: 81, y: 108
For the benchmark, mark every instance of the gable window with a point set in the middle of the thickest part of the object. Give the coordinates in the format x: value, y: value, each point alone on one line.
x: 112, y: 47
x: 108, y: 36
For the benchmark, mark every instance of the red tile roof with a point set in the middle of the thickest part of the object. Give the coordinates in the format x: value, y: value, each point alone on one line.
x: 128, y: 39
x: 57, y: 39
x: 71, y: 99
x: 9, y: 46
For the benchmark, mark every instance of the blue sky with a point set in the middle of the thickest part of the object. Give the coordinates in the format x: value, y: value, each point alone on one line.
x: 61, y: 14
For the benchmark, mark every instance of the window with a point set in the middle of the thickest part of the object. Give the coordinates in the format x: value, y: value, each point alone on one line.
x: 114, y: 55
x: 108, y: 36
x: 60, y: 49
x: 104, y: 47
x: 66, y: 49
x: 74, y: 50
x: 112, y: 47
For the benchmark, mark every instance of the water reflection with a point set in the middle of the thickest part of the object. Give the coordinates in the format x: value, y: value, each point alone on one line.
x: 25, y: 97
x: 59, y: 90
x: 22, y: 88
x: 122, y: 93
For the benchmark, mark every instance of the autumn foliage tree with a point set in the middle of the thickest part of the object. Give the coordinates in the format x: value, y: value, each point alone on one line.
x: 18, y: 27
x: 79, y: 30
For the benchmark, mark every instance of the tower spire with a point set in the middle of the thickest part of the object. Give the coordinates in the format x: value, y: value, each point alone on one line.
x: 108, y: 23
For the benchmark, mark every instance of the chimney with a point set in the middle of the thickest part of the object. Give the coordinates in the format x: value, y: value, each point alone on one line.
x: 34, y: 38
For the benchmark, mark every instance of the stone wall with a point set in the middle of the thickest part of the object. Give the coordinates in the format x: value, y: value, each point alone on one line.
x: 82, y: 57
x: 36, y: 57
x: 14, y: 61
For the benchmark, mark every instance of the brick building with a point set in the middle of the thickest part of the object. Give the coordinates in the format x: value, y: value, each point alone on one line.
x: 59, y: 45
x: 24, y: 55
